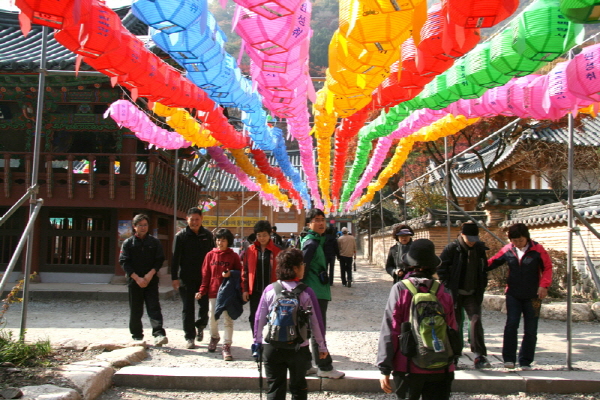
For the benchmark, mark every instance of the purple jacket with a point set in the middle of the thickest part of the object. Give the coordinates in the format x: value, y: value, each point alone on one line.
x: 307, y: 298
x: 397, y: 311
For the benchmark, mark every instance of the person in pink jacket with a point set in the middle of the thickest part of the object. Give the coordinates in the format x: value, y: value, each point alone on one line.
x: 529, y: 277
x: 430, y: 384
x: 218, y: 264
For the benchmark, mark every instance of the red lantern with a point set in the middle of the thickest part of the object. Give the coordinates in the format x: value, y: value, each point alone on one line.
x: 408, y: 55
x: 124, y: 59
x: 54, y: 13
x: 479, y: 14
x: 408, y: 80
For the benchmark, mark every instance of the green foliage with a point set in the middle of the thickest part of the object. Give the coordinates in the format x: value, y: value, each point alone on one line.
x: 422, y: 197
x: 23, y: 354
x: 324, y: 22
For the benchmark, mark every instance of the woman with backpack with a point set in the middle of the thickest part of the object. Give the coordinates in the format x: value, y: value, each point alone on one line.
x: 280, y: 356
x: 428, y: 377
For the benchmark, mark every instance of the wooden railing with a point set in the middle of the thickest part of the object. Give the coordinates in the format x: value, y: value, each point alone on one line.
x: 131, y: 180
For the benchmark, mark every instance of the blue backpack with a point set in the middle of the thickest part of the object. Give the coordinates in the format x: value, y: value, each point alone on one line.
x: 287, y: 325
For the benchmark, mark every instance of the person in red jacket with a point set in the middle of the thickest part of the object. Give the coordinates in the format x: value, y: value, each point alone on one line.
x: 529, y: 277
x: 217, y: 265
x: 258, y: 267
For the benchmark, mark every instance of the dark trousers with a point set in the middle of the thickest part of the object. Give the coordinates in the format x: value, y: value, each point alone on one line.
x: 514, y: 309
x: 326, y: 363
x: 187, y: 291
x: 277, y: 363
x: 254, y: 302
x: 472, y: 307
x: 331, y: 266
x: 139, y: 296
x: 424, y: 386
x: 346, y: 267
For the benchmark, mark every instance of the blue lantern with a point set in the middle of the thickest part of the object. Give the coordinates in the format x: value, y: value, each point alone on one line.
x: 169, y: 16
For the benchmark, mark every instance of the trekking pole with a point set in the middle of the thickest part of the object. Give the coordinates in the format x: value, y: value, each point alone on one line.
x: 260, y: 379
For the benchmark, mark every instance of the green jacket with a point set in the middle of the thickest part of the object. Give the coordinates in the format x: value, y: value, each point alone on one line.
x: 314, y: 258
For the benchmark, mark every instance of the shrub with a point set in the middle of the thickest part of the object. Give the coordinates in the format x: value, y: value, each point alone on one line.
x: 20, y: 353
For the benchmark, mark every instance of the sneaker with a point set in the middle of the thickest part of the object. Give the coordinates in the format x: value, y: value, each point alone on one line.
x: 212, y: 345
x: 509, y: 365
x: 227, y: 352
x: 312, y: 371
x: 526, y: 368
x: 160, y: 340
x: 349, y: 284
x: 200, y: 336
x: 482, y: 362
x: 138, y: 339
x: 190, y: 344
x: 333, y: 374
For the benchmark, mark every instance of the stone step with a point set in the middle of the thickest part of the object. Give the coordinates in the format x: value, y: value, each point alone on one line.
x: 481, y: 381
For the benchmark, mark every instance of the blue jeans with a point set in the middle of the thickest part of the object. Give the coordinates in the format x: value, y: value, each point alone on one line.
x: 515, y: 308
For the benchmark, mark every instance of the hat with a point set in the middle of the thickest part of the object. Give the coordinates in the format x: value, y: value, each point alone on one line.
x: 345, y: 230
x: 404, y: 231
x: 471, y: 231
x: 422, y: 254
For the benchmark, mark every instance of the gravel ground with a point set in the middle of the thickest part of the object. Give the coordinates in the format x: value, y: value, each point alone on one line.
x: 354, y: 319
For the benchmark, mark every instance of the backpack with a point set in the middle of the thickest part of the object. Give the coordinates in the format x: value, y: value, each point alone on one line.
x: 287, y: 321
x: 429, y: 329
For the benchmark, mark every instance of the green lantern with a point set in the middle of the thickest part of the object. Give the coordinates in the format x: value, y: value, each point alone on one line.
x: 436, y: 95
x: 457, y: 82
x: 398, y: 113
x: 478, y: 70
x: 581, y: 11
x: 506, y: 60
x: 542, y: 32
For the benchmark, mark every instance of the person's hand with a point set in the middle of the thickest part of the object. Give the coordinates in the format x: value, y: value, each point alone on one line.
x: 141, y: 282
x: 245, y: 296
x: 384, y: 381
x: 226, y: 274
x: 197, y: 296
x: 323, y: 354
x: 542, y: 292
x: 176, y: 284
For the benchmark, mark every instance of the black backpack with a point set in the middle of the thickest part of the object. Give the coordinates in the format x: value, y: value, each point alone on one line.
x: 287, y: 321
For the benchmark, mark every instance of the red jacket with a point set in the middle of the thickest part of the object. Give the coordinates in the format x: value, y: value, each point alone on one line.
x: 250, y: 260
x: 215, y: 263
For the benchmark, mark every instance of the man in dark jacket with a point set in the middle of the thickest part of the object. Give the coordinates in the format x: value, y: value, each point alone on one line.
x: 191, y: 246
x: 141, y: 257
x: 463, y: 271
x: 276, y: 238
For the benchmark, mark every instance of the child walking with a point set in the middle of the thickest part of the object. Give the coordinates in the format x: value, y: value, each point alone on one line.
x: 218, y: 264
x: 290, y: 269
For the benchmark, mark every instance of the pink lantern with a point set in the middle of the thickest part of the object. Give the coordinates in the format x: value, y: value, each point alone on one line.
x: 272, y: 9
x: 480, y: 108
x: 583, y: 73
x: 273, y: 36
x: 497, y: 98
x: 278, y: 62
x: 518, y: 96
x: 559, y: 94
x: 539, y: 91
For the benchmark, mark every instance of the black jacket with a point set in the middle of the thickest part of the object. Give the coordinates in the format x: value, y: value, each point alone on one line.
x: 229, y: 297
x: 330, y: 247
x: 394, y: 259
x: 141, y: 255
x: 190, y: 250
x: 451, y: 271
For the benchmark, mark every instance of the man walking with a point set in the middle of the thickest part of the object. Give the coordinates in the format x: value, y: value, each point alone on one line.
x: 347, y: 246
x: 141, y: 257
x: 315, y: 277
x: 191, y: 246
x: 463, y: 271
x: 276, y: 238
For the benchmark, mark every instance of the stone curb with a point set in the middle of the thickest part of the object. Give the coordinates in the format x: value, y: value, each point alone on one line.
x: 555, y: 311
x: 493, y: 382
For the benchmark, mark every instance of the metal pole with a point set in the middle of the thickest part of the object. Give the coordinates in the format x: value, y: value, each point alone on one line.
x: 243, y: 203
x: 20, y: 245
x: 588, y: 259
x: 370, y: 238
x: 405, y: 207
x: 570, y: 224
x: 447, y: 164
x: 218, y: 200
x: 381, y: 210
x: 19, y: 203
x: 175, y: 205
x: 39, y: 115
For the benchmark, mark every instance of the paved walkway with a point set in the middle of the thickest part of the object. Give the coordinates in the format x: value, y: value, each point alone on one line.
x: 354, y: 318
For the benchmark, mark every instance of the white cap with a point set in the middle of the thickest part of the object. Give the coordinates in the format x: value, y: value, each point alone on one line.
x: 344, y: 229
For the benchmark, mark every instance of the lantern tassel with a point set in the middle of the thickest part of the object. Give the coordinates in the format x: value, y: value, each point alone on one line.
x: 25, y: 24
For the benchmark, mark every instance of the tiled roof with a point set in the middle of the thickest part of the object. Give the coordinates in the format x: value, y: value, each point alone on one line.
x: 228, y: 183
x: 587, y: 134
x: 437, y: 218
x: 470, y: 187
x: 527, y: 197
x: 22, y: 54
x: 588, y: 207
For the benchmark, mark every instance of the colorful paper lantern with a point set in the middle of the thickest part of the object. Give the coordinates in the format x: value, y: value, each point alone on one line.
x: 506, y: 60
x: 436, y: 95
x: 169, y: 16
x: 518, y: 96
x: 124, y: 59
x: 583, y: 73
x: 497, y: 99
x: 542, y: 33
x: 559, y: 95
x: 541, y: 108
x: 272, y: 9
x: 479, y: 14
x: 478, y: 69
x: 457, y: 82
x: 581, y: 11
x: 55, y: 14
